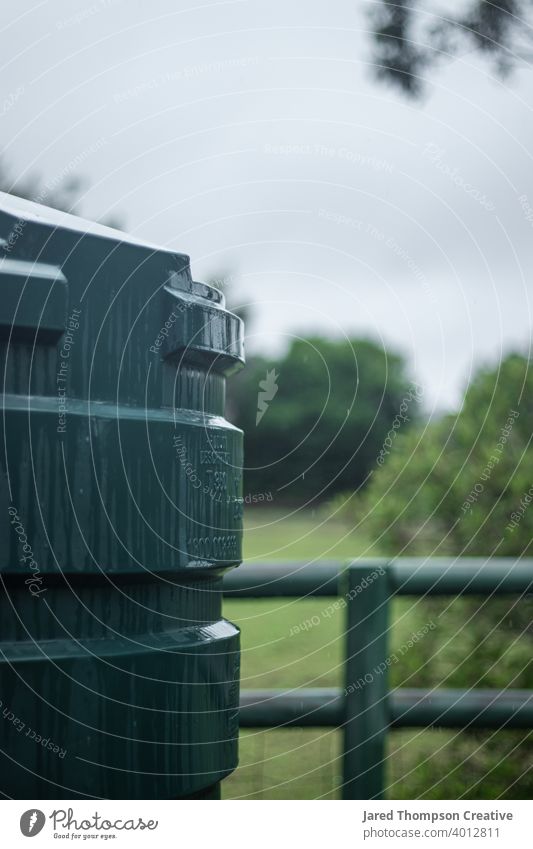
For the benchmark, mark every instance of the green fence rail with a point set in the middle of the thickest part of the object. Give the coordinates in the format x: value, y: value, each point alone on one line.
x: 367, y: 713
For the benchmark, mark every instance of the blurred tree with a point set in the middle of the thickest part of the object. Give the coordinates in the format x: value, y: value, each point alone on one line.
x: 409, y: 38
x: 315, y: 419
x: 63, y: 194
x: 464, y: 486
x: 453, y: 486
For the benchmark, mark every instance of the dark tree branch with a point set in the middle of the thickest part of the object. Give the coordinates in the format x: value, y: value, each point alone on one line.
x: 406, y: 46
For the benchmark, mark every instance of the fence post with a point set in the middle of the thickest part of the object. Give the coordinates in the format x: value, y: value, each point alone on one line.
x: 366, y: 684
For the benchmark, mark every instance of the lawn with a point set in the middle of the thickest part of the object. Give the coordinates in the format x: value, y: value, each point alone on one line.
x: 306, y: 763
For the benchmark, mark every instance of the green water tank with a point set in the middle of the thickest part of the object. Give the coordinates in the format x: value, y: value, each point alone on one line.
x: 121, y: 496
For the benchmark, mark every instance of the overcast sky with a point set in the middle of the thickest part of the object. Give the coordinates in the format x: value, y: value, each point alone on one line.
x: 252, y: 136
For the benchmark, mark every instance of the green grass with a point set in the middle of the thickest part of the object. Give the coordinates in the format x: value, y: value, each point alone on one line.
x: 272, y: 534
x: 306, y: 763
